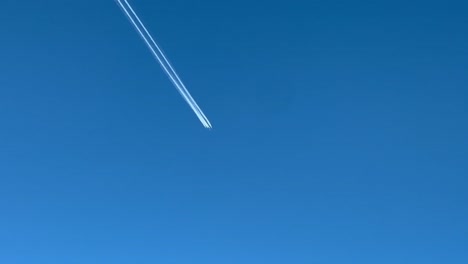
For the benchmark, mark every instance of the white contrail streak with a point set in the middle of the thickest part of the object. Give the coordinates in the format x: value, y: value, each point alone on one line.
x: 163, y: 61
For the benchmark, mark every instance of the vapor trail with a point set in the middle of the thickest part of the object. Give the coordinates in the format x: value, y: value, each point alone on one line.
x: 163, y: 61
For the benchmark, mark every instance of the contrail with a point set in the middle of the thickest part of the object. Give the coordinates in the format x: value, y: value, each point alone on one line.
x: 163, y: 61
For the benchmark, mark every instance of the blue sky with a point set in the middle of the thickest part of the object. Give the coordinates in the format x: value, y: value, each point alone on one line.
x: 340, y: 133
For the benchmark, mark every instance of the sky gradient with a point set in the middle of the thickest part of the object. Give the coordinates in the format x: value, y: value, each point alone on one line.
x: 340, y: 133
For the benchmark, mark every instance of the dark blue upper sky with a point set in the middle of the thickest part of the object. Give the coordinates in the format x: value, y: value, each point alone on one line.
x: 340, y: 133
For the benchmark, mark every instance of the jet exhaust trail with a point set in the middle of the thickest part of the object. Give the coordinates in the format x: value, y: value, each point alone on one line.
x: 163, y: 61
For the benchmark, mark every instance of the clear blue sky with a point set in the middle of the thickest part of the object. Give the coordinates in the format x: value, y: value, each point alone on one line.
x: 340, y: 133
